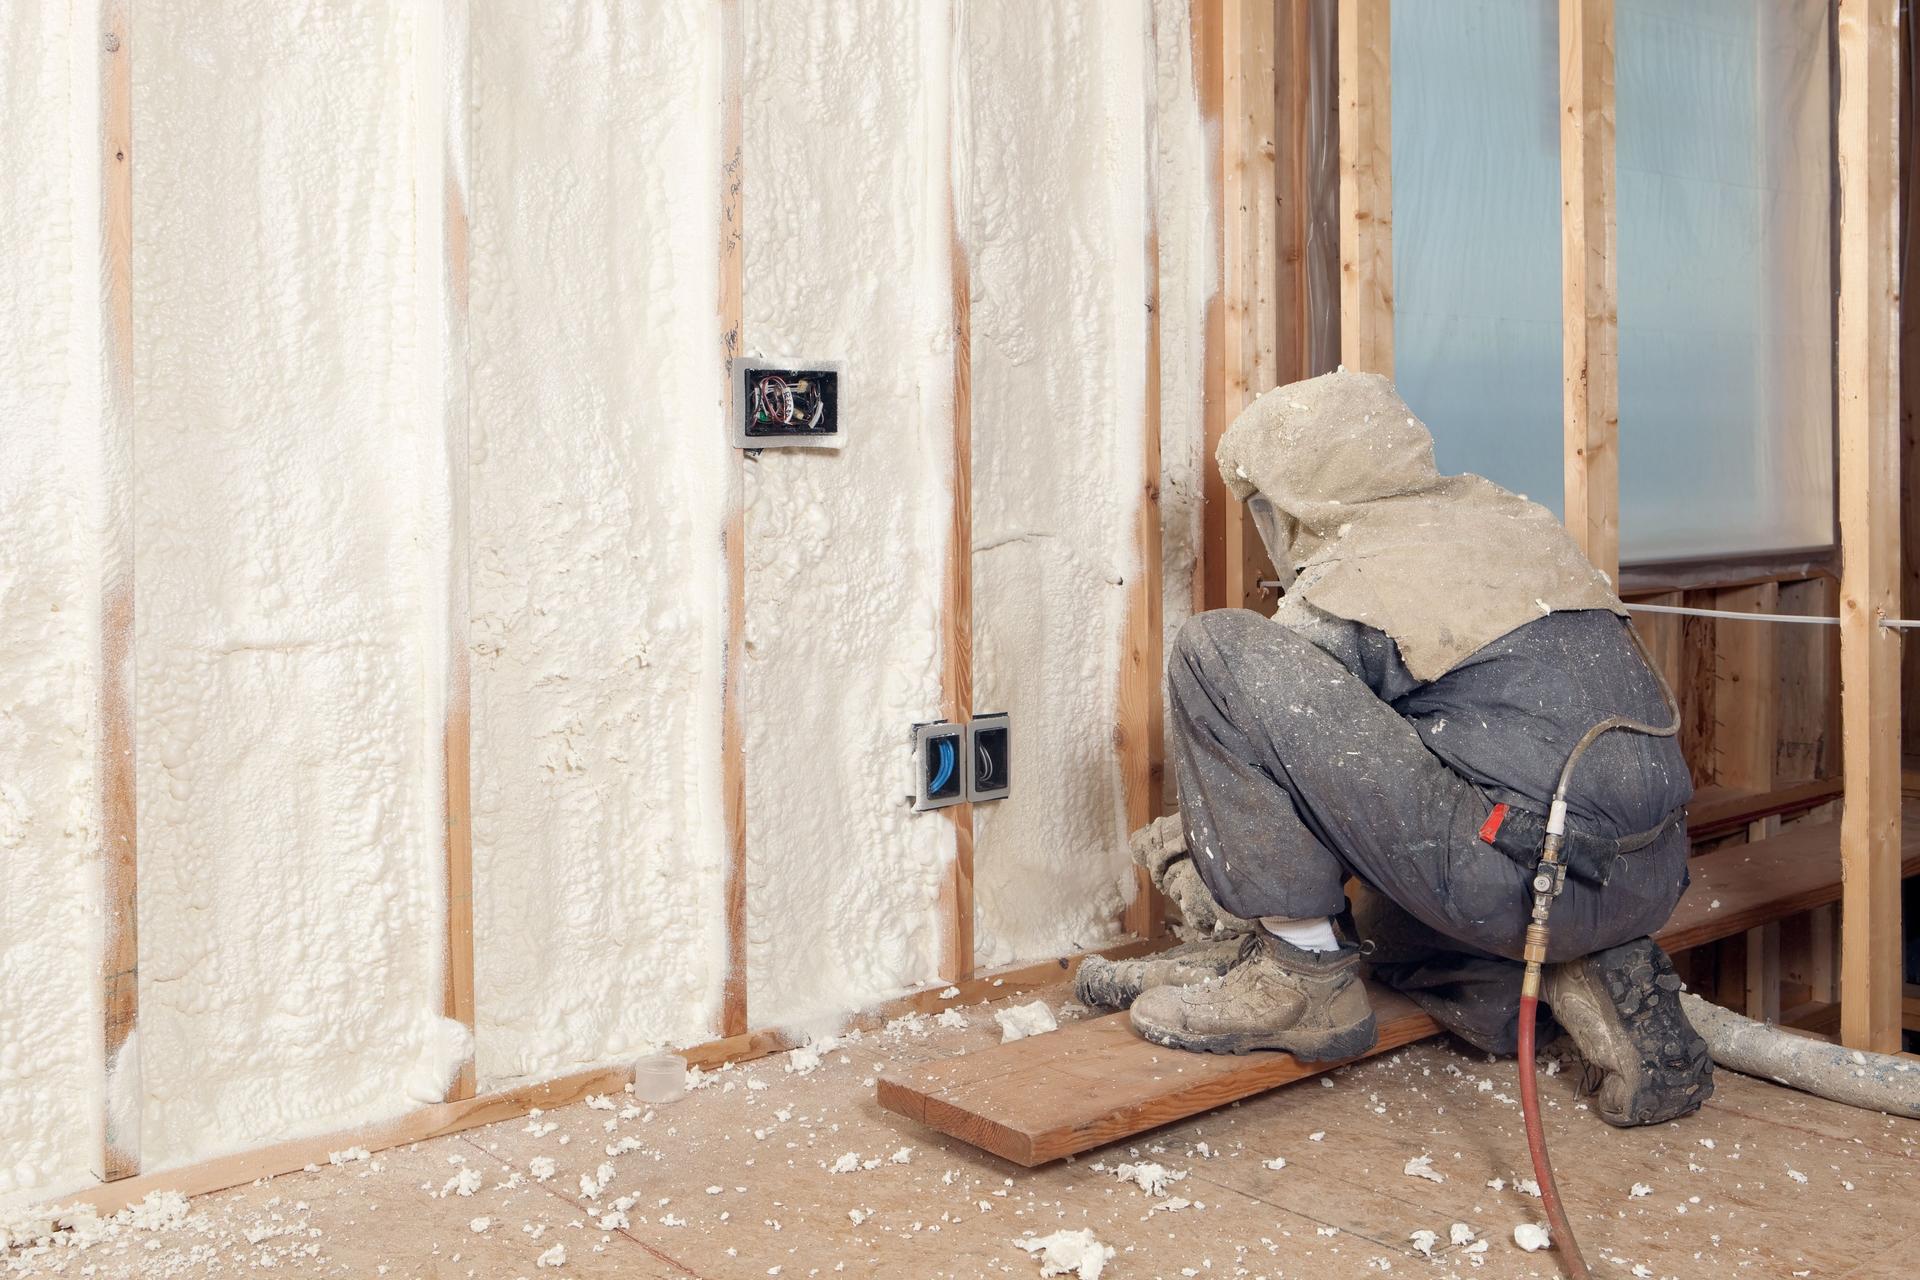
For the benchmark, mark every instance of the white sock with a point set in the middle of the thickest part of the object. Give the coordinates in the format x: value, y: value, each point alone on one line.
x: 1309, y: 933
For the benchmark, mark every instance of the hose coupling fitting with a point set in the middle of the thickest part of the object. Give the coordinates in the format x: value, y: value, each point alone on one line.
x: 1536, y: 946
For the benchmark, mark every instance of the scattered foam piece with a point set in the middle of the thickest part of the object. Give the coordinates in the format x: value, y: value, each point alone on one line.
x: 1531, y: 1236
x: 1460, y: 1233
x: 1422, y: 1167
x: 1025, y: 1020
x: 348, y: 1156
x: 1151, y: 1178
x: 1276, y: 1164
x: 1064, y: 1253
x: 1423, y: 1242
x: 554, y: 1257
x: 541, y: 1167
x: 1639, y: 1191
x: 463, y: 1183
x: 479, y: 1225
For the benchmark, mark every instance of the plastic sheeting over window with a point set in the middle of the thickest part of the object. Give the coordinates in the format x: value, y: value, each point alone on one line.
x: 1476, y: 235
x: 1726, y: 385
x: 1723, y: 157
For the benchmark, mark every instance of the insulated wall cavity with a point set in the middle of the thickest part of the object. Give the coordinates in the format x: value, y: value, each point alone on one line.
x: 49, y: 584
x: 598, y: 488
x: 1055, y: 226
x: 290, y: 913
x: 847, y: 257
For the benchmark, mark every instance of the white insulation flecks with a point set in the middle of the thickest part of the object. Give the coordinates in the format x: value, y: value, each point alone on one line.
x: 1056, y: 228
x: 290, y: 917
x: 49, y: 584
x: 847, y: 256
x: 598, y: 498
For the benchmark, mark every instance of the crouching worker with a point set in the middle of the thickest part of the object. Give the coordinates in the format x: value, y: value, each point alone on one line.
x: 1402, y: 722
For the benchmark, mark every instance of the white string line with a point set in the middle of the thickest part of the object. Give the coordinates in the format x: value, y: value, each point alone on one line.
x: 1892, y: 624
x: 1809, y: 618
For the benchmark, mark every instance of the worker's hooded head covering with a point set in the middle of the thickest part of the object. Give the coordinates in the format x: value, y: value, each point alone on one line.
x: 1339, y: 477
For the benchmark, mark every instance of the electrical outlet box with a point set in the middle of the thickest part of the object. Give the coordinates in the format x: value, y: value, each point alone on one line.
x: 990, y: 753
x: 786, y: 403
x: 940, y: 771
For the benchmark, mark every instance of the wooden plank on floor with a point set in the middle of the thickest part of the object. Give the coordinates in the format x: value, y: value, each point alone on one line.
x: 1095, y: 1081
x: 1366, y: 185
x: 119, y: 1156
x: 1867, y: 145
x: 733, y: 751
x: 1139, y: 736
x: 955, y: 910
x: 1590, y: 325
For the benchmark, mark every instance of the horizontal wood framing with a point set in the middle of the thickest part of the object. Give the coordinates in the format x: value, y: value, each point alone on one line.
x: 505, y: 1104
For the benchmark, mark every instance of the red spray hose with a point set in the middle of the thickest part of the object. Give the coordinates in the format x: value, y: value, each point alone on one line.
x: 1537, y: 1147
x: 1549, y: 877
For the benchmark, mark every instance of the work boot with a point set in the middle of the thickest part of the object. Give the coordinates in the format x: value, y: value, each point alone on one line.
x: 1275, y: 996
x: 1115, y: 984
x: 1644, y: 1062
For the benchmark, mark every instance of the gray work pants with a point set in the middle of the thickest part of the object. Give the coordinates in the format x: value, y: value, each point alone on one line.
x: 1295, y: 776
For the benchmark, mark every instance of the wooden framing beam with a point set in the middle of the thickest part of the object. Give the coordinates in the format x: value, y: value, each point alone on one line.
x: 441, y: 186
x: 733, y: 753
x: 1590, y: 326
x: 1867, y: 367
x: 1140, y: 735
x: 1366, y: 185
x: 1234, y: 59
x: 1745, y: 698
x: 956, y: 662
x: 119, y: 1154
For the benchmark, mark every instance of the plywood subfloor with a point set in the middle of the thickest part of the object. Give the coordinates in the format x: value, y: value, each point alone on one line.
x: 734, y: 1182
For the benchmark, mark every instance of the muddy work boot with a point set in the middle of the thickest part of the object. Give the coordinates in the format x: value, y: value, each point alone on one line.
x: 1643, y: 1061
x: 1275, y: 996
x: 1115, y: 984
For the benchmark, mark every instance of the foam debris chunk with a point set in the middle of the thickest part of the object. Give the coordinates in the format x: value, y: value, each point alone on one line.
x: 1068, y: 1253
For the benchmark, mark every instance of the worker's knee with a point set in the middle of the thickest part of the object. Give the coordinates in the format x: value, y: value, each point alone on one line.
x: 1210, y: 645
x: 1219, y: 634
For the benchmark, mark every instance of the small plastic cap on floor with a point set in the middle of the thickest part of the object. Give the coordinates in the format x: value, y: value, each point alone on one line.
x: 661, y: 1077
